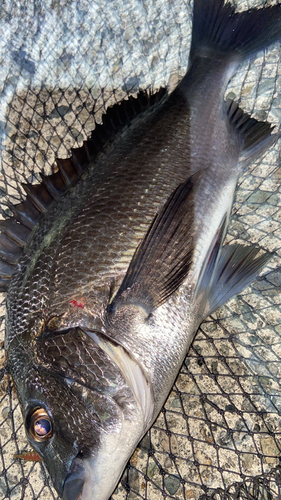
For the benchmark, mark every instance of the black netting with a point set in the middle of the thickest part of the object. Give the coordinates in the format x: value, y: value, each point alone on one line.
x: 219, y: 434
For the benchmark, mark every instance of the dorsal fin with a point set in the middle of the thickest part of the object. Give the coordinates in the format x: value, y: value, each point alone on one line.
x: 16, y: 230
x: 255, y: 135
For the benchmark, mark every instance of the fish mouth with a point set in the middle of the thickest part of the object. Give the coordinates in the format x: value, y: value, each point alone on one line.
x: 90, y: 476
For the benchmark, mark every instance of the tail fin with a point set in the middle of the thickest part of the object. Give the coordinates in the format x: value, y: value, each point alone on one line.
x: 217, y: 27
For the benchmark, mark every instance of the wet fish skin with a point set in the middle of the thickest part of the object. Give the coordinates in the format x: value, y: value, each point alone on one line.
x: 103, y: 370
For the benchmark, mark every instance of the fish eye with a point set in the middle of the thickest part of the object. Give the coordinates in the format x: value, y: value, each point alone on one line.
x: 39, y: 425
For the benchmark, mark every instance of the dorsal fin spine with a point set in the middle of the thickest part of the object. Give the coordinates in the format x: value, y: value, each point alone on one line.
x: 39, y: 196
x: 87, y: 150
x: 26, y: 213
x: 54, y: 184
x: 67, y: 170
x: 15, y: 231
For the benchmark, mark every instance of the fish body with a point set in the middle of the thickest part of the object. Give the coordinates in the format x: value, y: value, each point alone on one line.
x: 116, y: 277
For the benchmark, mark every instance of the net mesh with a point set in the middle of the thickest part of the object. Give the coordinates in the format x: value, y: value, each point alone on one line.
x: 219, y: 434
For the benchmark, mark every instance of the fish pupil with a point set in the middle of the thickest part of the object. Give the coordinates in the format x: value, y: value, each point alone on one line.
x: 42, y: 427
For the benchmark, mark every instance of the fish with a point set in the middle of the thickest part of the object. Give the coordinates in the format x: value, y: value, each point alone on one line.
x: 112, y: 262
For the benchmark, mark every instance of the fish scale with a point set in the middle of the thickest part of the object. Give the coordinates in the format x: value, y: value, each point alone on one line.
x: 110, y: 213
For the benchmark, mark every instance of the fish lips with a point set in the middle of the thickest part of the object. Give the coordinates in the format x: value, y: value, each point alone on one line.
x: 75, y: 479
x: 82, y: 481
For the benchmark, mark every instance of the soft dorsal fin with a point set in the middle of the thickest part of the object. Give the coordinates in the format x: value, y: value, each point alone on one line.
x: 16, y: 230
x: 255, y: 135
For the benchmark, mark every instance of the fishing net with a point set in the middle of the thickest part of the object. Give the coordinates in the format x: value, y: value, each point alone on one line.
x: 219, y: 434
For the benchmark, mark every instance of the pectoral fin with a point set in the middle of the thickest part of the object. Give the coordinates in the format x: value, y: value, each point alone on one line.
x: 236, y: 268
x: 162, y: 260
x: 211, y: 259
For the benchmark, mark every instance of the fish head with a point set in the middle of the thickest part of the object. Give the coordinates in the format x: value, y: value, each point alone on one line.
x: 60, y: 424
x: 80, y: 414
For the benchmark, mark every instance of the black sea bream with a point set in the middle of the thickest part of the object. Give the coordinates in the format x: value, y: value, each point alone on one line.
x: 115, y: 260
